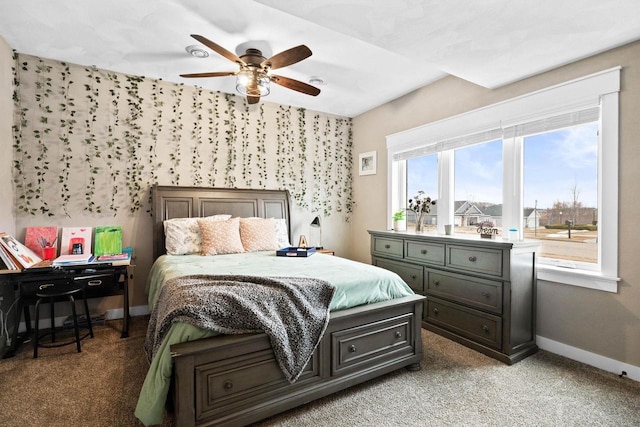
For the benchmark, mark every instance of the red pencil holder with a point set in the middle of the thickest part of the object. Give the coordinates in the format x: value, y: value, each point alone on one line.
x: 49, y: 253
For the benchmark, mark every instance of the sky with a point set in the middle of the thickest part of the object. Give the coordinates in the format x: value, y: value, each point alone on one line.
x: 554, y: 163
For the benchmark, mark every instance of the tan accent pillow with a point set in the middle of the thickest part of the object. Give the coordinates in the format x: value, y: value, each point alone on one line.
x: 220, y: 237
x: 182, y: 235
x: 258, y: 234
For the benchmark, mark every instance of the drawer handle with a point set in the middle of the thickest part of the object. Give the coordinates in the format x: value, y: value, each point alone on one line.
x: 398, y: 334
x: 472, y: 258
x: 435, y: 311
x: 485, y: 328
x: 485, y: 294
x: 423, y: 252
x: 227, y: 385
x: 387, y: 246
x: 94, y: 282
x: 45, y: 286
x: 414, y: 277
x: 436, y: 282
x: 352, y: 348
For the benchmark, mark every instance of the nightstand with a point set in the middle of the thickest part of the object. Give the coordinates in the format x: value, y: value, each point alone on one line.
x: 326, y: 251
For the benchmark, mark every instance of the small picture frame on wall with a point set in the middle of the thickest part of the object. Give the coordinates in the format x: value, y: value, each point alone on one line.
x: 367, y: 163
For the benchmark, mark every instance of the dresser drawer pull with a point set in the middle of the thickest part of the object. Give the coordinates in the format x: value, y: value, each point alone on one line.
x: 414, y: 277
x: 436, y: 282
x: 352, y: 349
x: 485, y: 294
x: 398, y: 334
x: 227, y: 385
x: 424, y: 252
x: 94, y: 282
x: 435, y: 311
x: 485, y: 328
x: 387, y: 246
x: 472, y: 258
x: 45, y: 286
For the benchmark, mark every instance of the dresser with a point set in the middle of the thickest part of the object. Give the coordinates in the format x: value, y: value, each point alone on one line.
x: 480, y: 292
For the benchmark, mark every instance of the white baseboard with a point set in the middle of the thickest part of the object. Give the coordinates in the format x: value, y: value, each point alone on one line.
x: 586, y: 357
x: 116, y: 313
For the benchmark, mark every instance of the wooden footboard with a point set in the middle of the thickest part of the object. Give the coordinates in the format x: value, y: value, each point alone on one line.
x: 235, y: 380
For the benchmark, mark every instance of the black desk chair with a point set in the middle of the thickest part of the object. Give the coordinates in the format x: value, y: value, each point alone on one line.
x: 60, y: 293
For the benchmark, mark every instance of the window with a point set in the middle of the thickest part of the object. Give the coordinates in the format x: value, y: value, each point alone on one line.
x: 422, y: 175
x: 561, y: 194
x: 546, y: 158
x: 477, y: 186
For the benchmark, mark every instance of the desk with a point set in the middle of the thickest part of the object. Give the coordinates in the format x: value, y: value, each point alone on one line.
x: 101, y: 279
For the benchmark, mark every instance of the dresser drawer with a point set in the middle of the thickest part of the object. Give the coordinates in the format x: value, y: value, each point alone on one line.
x: 412, y: 274
x: 481, y: 327
x: 388, y: 247
x: 480, y: 293
x: 478, y: 260
x: 431, y: 253
x: 372, y: 344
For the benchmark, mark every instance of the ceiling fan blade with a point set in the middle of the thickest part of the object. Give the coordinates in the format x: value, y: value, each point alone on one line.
x: 296, y: 85
x: 253, y: 99
x: 213, y: 74
x: 217, y: 48
x: 287, y: 57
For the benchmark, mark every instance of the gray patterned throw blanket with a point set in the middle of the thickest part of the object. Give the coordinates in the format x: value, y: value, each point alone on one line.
x: 292, y: 311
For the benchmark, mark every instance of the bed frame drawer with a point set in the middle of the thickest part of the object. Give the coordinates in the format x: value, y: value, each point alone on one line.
x: 481, y: 327
x: 247, y: 379
x: 372, y: 344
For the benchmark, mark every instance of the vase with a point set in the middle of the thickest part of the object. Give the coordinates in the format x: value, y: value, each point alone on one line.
x: 420, y: 222
x: 399, y: 225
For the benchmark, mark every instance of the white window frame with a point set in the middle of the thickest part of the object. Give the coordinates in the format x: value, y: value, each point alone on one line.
x: 442, y: 137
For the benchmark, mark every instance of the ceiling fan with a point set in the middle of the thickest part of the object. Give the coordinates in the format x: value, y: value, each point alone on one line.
x: 254, y: 76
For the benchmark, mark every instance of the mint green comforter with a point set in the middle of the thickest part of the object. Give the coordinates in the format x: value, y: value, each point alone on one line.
x: 356, y: 284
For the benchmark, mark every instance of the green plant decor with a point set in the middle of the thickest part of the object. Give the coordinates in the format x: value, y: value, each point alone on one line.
x: 399, y: 215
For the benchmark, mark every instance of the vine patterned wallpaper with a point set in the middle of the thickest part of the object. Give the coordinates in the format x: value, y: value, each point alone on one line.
x: 94, y: 141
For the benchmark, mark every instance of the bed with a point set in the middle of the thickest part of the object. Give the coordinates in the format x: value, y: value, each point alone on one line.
x: 216, y: 379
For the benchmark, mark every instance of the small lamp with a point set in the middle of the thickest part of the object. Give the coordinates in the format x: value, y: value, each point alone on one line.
x: 316, y: 224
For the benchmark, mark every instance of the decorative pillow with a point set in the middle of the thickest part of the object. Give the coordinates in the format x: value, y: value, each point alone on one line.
x: 258, y: 234
x: 182, y: 235
x: 220, y: 237
x: 282, y: 234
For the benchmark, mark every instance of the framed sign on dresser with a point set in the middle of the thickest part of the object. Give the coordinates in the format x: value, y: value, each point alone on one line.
x: 480, y: 292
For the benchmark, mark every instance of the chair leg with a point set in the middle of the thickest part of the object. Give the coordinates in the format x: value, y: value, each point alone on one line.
x: 35, y: 338
x: 75, y: 323
x: 86, y: 314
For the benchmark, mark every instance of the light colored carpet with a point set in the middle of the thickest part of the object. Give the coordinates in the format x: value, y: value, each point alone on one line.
x: 456, y: 387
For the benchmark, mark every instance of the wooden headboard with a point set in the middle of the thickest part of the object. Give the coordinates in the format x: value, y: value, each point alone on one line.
x: 196, y: 202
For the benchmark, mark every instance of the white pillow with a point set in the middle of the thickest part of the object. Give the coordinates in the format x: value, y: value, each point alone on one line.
x: 182, y: 235
x: 282, y: 233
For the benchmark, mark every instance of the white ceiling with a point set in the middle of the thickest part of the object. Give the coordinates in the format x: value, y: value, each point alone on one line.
x: 367, y: 51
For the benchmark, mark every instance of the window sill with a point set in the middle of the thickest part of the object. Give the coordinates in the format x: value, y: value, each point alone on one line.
x: 574, y: 277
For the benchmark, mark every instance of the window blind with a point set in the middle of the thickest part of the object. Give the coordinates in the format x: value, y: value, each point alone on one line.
x: 546, y: 124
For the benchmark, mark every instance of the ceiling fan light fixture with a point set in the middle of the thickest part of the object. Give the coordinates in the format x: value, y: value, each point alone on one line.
x: 253, y: 83
x: 197, y: 51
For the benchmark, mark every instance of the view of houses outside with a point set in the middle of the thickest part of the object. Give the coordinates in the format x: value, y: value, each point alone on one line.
x: 560, y: 190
